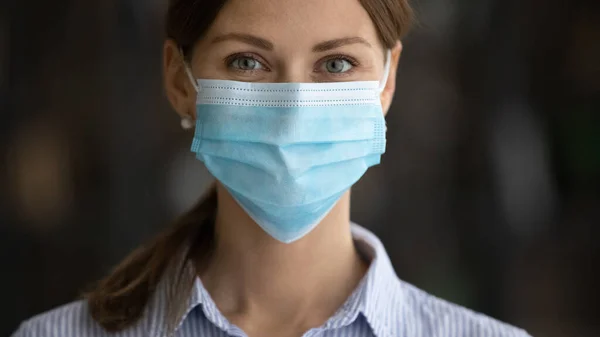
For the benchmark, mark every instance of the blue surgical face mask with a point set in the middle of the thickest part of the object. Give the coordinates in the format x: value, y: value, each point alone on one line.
x: 287, y: 152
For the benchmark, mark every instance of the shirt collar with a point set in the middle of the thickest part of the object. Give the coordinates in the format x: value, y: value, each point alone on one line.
x: 382, y: 297
x: 378, y: 297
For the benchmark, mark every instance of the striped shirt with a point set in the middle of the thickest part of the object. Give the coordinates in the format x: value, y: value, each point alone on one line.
x: 381, y: 306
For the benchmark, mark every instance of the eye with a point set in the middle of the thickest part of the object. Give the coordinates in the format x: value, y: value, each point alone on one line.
x: 245, y: 63
x: 338, y: 65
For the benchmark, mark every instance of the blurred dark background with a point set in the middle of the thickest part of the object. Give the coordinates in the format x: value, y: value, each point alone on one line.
x: 489, y: 194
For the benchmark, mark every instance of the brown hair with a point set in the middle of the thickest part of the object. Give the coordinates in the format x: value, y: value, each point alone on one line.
x: 119, y: 300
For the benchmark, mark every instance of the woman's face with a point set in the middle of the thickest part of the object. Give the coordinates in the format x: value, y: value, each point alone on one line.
x: 283, y: 41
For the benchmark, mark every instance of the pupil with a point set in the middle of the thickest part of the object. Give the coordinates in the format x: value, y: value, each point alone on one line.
x: 335, y: 66
x: 247, y: 63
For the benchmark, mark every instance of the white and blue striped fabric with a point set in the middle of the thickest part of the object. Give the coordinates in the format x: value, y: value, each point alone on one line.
x: 381, y: 306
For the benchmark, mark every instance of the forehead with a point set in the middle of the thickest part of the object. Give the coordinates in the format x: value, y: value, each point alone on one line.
x: 298, y: 22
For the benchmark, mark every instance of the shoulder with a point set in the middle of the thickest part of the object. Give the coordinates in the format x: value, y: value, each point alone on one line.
x: 434, y: 316
x: 71, y: 320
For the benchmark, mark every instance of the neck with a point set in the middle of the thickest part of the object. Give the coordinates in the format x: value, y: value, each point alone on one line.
x: 250, y: 273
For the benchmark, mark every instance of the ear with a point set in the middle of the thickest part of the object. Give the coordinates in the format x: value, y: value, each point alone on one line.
x: 387, y: 95
x: 180, y: 91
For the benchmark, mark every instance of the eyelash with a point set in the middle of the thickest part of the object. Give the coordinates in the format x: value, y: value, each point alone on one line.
x: 231, y: 58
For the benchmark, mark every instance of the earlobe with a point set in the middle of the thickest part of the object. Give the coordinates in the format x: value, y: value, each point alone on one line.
x: 178, y: 91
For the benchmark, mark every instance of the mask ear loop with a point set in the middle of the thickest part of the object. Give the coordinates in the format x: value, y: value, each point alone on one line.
x: 386, y: 70
x: 187, y: 122
x: 386, y: 73
x: 188, y: 71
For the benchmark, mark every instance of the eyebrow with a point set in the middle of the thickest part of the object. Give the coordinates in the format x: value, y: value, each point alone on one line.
x: 245, y: 38
x: 267, y: 45
x: 336, y: 43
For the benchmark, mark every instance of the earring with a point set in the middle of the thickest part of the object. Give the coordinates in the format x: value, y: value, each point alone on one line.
x: 187, y: 123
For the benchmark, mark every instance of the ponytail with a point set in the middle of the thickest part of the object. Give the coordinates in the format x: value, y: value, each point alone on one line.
x: 119, y: 300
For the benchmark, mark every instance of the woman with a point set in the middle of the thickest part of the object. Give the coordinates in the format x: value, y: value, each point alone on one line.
x: 288, y: 101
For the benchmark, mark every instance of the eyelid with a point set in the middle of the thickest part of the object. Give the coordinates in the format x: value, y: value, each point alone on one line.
x: 347, y: 58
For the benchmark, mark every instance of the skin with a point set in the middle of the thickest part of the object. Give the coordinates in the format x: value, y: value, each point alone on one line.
x: 265, y: 287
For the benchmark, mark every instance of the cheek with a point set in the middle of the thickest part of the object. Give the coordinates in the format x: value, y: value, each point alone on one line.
x: 208, y: 65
